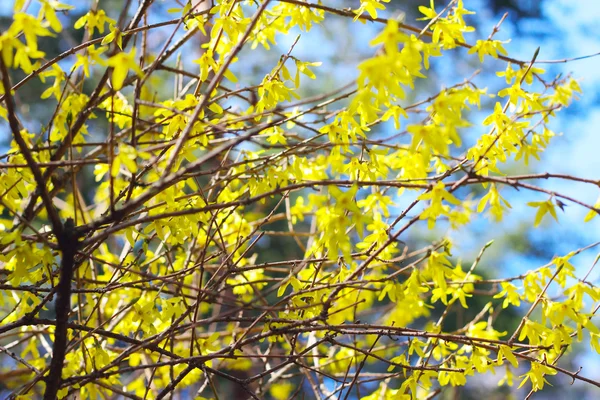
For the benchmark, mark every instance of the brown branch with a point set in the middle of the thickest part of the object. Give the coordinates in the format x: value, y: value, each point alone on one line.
x: 35, y: 170
x: 212, y: 85
x: 69, y: 243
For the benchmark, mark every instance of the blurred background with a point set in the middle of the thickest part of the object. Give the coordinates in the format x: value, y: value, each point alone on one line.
x: 562, y: 29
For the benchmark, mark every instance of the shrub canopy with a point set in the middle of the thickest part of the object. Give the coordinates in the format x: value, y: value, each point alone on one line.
x: 200, y: 214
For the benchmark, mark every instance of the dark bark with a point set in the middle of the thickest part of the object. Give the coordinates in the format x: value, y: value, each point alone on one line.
x: 68, y: 243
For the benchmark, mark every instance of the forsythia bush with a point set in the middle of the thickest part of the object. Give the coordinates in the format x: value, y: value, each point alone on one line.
x: 138, y: 223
